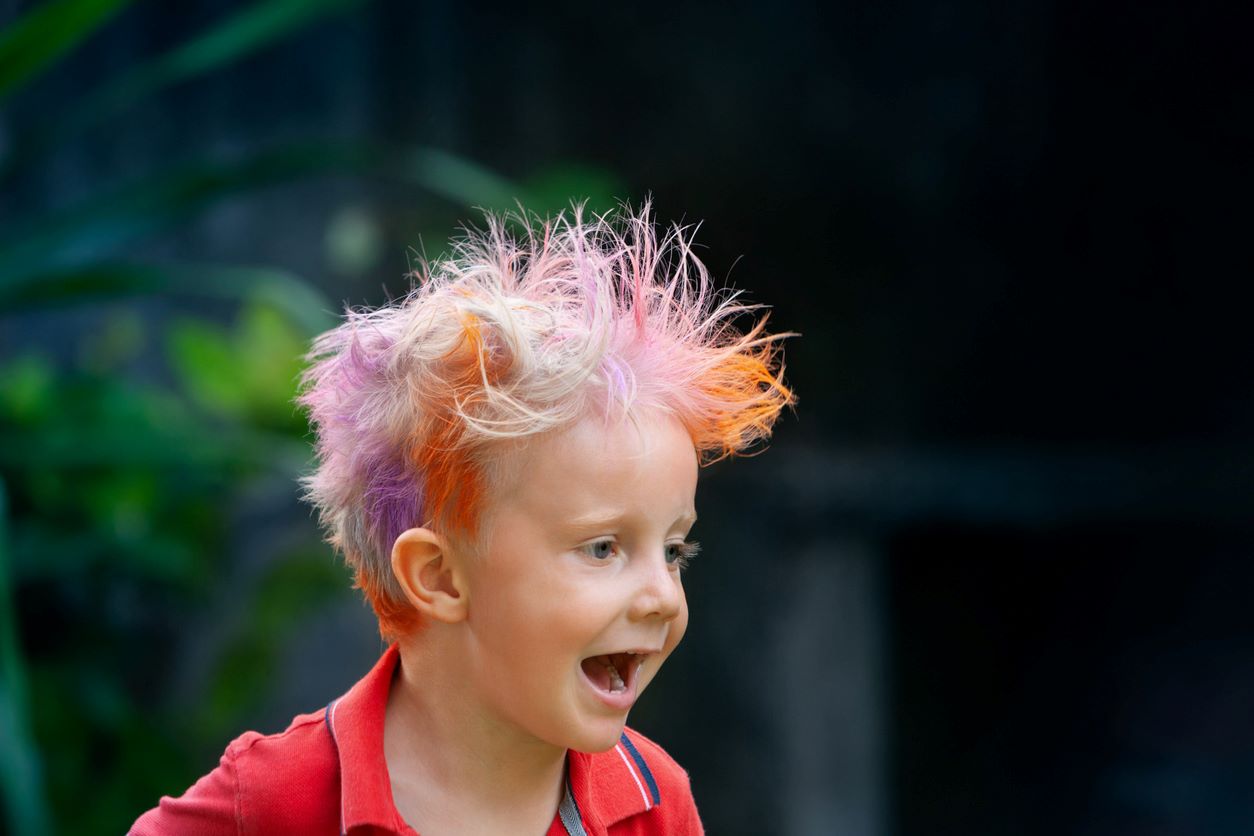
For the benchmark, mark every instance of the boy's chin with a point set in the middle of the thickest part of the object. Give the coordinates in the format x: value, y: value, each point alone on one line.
x: 599, y: 740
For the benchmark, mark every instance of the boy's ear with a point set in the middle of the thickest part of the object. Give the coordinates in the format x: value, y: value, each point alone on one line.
x: 429, y: 575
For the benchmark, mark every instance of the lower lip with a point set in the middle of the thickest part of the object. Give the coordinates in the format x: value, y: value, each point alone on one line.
x: 620, y: 700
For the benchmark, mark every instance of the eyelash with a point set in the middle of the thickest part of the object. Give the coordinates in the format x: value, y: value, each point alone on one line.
x: 683, y: 554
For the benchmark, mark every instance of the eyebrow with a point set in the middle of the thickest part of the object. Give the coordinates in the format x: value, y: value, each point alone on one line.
x: 598, y: 520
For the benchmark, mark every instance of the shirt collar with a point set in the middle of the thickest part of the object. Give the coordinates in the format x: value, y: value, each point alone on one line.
x: 356, y: 724
x: 614, y: 785
x: 607, y: 786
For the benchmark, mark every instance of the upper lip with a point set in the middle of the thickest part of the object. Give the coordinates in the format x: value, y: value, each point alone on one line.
x: 633, y: 651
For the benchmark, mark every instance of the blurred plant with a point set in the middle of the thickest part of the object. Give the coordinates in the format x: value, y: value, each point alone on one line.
x: 121, y: 497
x: 118, y: 481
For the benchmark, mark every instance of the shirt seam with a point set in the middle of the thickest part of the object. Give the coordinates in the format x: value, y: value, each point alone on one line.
x: 243, y: 748
x: 238, y: 792
x: 328, y: 715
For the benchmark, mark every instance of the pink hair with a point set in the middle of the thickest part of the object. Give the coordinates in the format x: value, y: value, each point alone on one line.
x: 509, y: 337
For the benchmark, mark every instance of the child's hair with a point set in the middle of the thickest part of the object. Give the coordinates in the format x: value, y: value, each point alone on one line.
x: 522, y: 330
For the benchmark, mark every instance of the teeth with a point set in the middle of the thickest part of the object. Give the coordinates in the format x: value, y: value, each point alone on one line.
x: 616, y: 682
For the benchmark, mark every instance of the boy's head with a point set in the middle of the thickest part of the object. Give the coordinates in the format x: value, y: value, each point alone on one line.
x: 424, y: 409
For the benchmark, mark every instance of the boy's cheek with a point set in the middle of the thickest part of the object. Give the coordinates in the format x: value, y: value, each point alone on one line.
x: 676, y: 634
x: 678, y: 627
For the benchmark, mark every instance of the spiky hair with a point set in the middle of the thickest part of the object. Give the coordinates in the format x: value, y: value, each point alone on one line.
x: 523, y: 329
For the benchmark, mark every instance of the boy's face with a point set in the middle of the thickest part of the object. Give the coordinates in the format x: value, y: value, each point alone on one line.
x: 582, y: 568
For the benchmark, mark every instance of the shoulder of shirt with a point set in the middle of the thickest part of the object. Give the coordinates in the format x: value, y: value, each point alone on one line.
x: 305, y: 730
x: 269, y: 768
x: 276, y: 783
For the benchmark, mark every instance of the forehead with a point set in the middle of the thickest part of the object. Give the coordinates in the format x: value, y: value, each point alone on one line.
x: 644, y: 465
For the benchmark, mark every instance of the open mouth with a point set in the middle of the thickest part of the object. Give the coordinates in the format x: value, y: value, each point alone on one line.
x: 613, y: 673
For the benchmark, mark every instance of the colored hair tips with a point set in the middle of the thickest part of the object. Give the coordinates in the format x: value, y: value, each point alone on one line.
x: 522, y: 329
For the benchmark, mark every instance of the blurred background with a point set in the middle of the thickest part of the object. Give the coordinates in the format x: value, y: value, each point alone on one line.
x: 994, y: 575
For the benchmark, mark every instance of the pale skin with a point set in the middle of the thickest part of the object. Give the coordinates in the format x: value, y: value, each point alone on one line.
x: 582, y: 558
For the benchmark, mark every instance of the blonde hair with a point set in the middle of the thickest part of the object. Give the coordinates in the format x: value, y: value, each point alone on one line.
x: 513, y: 335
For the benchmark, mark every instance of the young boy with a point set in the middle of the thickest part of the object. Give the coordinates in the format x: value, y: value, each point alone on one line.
x: 508, y: 460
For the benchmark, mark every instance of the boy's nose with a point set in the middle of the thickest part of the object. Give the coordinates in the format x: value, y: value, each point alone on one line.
x: 660, y: 594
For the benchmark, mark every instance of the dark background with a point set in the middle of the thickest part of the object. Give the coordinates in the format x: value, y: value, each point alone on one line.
x: 993, y: 576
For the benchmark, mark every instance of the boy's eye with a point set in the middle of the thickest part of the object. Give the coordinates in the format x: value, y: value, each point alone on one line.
x: 681, y: 554
x: 601, y: 549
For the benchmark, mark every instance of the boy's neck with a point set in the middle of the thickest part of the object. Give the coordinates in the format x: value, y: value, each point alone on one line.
x: 453, y: 767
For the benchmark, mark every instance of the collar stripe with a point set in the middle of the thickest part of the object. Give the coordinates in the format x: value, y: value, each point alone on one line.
x: 632, y: 772
x: 644, y: 768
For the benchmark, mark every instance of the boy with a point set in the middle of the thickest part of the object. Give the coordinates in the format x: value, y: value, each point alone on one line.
x: 508, y: 460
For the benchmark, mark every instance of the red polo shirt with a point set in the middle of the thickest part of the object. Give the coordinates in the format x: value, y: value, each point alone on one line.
x: 326, y: 774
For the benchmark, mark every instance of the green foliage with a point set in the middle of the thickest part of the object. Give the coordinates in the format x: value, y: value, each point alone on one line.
x: 122, y: 492
x: 241, y: 34
x: 53, y: 28
x: 128, y: 453
x: 249, y: 373
x: 552, y: 189
x: 26, y: 397
x: 19, y: 761
x: 46, y: 33
x: 122, y: 487
x: 293, y: 588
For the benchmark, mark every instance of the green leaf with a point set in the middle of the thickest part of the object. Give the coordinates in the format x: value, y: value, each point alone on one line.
x: 249, y: 374
x: 105, y: 222
x: 552, y: 190
x: 241, y: 676
x: 299, y: 300
x: 294, y: 587
x: 205, y: 362
x: 26, y: 390
x: 46, y: 33
x: 121, y: 504
x: 458, y: 179
x: 118, y: 446
x: 20, y: 779
x: 269, y: 359
x: 251, y: 29
x: 247, y: 31
x: 101, y: 225
x: 291, y: 588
